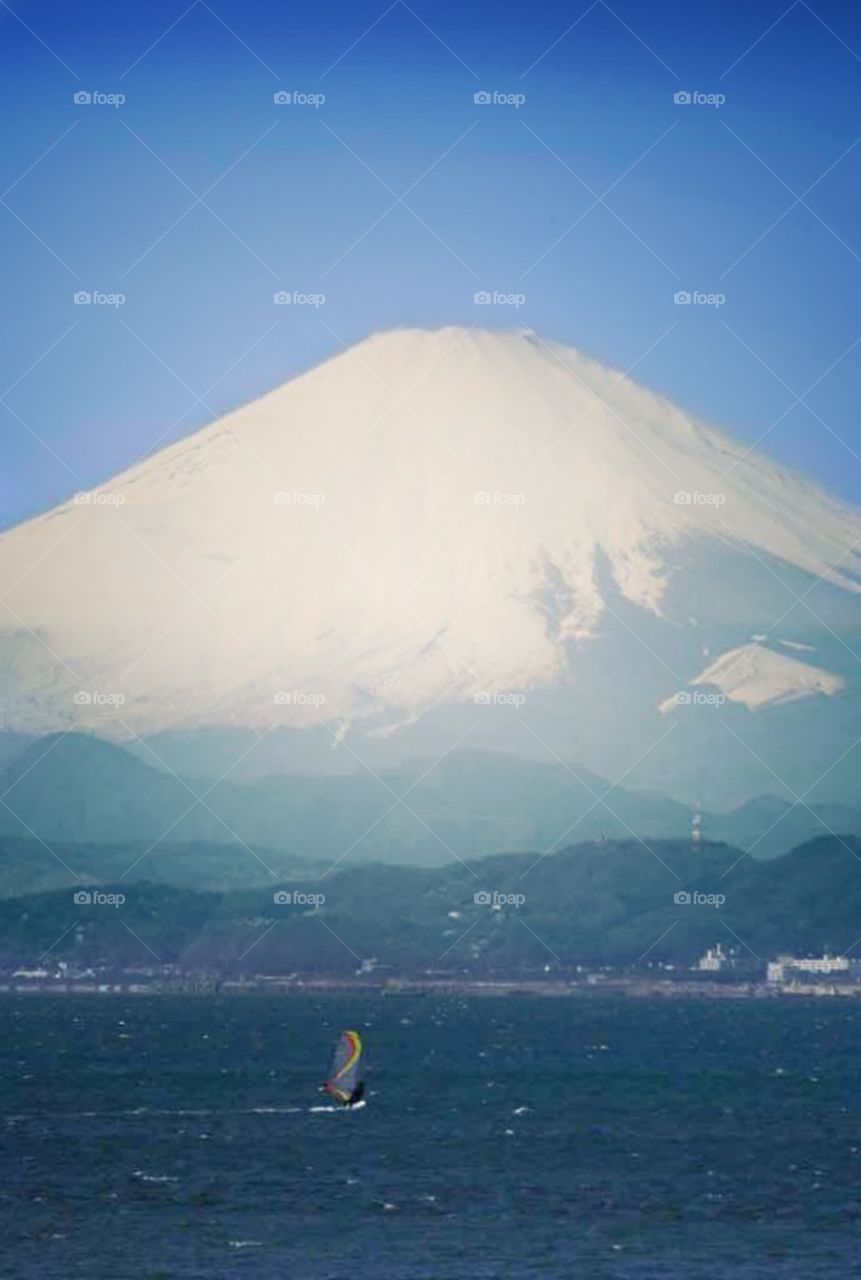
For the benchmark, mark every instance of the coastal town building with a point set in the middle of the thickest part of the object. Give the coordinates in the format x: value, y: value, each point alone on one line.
x: 715, y: 960
x: 785, y: 968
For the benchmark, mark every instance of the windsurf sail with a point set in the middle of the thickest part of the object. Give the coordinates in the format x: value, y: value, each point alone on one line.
x: 345, y: 1083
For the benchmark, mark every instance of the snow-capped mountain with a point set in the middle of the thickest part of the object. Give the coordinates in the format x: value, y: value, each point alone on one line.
x: 449, y: 533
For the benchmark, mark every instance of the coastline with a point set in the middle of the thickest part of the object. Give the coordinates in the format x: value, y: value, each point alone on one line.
x: 627, y: 987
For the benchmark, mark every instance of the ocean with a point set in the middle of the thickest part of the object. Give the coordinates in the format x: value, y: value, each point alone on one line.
x: 162, y: 1138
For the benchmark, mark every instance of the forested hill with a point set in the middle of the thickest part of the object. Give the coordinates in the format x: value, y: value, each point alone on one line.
x: 613, y: 903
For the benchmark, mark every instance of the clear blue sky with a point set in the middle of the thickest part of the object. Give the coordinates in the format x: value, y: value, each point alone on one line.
x: 97, y: 198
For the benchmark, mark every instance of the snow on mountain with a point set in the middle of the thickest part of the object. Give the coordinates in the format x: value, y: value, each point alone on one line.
x: 429, y: 517
x: 759, y: 677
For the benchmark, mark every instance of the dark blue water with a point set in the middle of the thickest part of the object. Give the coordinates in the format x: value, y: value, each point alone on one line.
x: 172, y: 1138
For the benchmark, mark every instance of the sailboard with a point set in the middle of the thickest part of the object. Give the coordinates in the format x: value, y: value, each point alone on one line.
x: 345, y: 1083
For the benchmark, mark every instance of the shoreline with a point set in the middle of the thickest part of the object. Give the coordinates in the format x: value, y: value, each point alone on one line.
x: 284, y: 987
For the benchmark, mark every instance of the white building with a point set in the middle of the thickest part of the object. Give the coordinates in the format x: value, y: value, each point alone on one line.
x: 786, y: 966
x: 714, y: 960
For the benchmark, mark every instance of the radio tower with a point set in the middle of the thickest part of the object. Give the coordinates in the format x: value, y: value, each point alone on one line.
x: 697, y: 831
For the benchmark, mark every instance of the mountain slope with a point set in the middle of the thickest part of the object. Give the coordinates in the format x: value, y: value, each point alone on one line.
x: 435, y: 534
x: 759, y: 677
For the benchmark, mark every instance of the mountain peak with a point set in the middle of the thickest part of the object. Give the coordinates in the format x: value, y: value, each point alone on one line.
x: 426, y: 520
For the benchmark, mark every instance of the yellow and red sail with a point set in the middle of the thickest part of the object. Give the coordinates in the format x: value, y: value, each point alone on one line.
x: 345, y: 1078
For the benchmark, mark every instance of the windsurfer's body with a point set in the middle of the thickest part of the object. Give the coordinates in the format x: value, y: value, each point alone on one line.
x: 345, y: 1099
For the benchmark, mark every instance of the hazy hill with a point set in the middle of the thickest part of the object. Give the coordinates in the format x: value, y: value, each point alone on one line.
x: 77, y: 789
x: 80, y: 789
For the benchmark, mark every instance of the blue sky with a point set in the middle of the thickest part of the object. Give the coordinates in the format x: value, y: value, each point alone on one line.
x: 597, y: 198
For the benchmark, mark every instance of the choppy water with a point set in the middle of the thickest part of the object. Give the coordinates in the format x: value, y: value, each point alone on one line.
x: 179, y: 1138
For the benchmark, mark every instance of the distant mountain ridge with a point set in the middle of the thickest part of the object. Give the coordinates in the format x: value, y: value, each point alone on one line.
x: 79, y: 790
